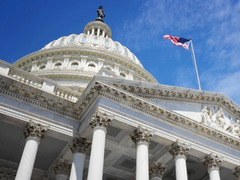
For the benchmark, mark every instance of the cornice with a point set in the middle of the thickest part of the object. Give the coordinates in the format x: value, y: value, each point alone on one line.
x: 183, y: 94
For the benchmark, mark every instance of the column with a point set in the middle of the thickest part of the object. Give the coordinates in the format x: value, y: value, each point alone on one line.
x: 213, y: 163
x: 62, y: 169
x: 100, y: 122
x: 142, y: 137
x: 34, y: 133
x: 236, y: 172
x: 179, y: 152
x: 80, y: 147
x: 156, y: 171
x: 98, y: 32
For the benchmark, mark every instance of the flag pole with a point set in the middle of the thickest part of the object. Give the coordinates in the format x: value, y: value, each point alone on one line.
x: 195, y: 65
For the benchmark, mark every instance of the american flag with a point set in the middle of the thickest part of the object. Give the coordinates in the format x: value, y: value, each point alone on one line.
x: 178, y: 41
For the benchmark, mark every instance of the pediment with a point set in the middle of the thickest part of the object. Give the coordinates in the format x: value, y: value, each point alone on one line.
x: 206, y: 113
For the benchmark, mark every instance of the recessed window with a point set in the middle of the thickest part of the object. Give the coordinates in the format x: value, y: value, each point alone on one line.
x: 58, y: 64
x: 108, y: 68
x: 42, y: 67
x: 122, y: 74
x: 74, y: 64
x: 91, y: 65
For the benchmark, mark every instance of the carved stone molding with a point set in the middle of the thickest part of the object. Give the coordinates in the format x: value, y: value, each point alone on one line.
x: 35, y: 130
x: 100, y: 119
x: 7, y: 173
x: 212, y: 161
x: 141, y: 135
x: 179, y: 149
x: 81, y: 145
x: 156, y: 170
x: 62, y: 167
x: 236, y: 172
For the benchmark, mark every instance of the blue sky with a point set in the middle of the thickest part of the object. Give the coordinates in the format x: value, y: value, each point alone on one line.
x: 26, y: 26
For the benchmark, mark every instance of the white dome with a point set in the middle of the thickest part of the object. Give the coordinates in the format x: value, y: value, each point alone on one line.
x: 72, y: 61
x: 94, y: 41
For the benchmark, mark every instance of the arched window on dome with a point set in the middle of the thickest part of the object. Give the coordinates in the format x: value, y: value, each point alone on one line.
x: 91, y: 65
x: 74, y: 65
x: 57, y: 65
x: 42, y: 67
x: 110, y: 69
x: 123, y: 74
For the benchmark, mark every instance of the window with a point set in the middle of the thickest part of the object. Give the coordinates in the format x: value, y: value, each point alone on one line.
x: 91, y: 65
x: 58, y: 64
x: 122, y: 74
x: 42, y: 67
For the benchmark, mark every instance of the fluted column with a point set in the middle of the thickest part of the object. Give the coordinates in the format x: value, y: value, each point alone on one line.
x: 156, y: 171
x: 179, y: 152
x: 34, y: 133
x: 142, y: 137
x: 236, y: 172
x: 80, y: 147
x: 213, y: 163
x: 100, y: 122
x: 62, y: 169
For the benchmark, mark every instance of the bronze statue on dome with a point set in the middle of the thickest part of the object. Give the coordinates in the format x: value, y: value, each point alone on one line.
x: 100, y: 14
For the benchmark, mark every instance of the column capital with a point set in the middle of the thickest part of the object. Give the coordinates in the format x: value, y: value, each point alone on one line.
x: 35, y: 131
x: 81, y: 145
x: 212, y: 161
x: 156, y: 170
x: 236, y: 172
x: 179, y: 149
x: 100, y: 119
x: 62, y: 167
x: 141, y: 135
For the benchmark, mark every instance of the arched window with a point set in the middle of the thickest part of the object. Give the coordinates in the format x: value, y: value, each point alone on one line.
x: 91, y: 65
x: 74, y: 64
x: 42, y: 67
x: 108, y: 68
x: 58, y: 64
x: 122, y: 74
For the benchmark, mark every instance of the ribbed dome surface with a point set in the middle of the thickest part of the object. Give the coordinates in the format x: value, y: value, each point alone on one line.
x: 100, y: 42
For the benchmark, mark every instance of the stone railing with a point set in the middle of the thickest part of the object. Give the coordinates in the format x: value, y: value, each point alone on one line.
x: 24, y: 77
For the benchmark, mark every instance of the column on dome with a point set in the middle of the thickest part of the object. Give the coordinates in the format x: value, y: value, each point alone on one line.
x: 236, y: 172
x: 62, y: 169
x: 92, y: 31
x: 213, y: 164
x: 34, y: 133
x: 98, y: 31
x: 156, y: 171
x: 103, y: 34
x: 80, y: 147
x: 179, y: 152
x: 142, y: 137
x: 100, y: 123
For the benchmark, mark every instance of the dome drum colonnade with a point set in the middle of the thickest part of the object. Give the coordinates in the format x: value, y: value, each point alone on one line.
x: 80, y: 147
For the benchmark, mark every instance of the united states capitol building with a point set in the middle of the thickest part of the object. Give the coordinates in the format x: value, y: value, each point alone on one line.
x: 84, y: 108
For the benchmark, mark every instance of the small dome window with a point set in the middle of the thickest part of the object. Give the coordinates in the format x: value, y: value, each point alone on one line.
x: 108, y: 68
x: 42, y: 67
x: 74, y: 64
x: 58, y: 64
x: 91, y: 65
x: 122, y: 74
